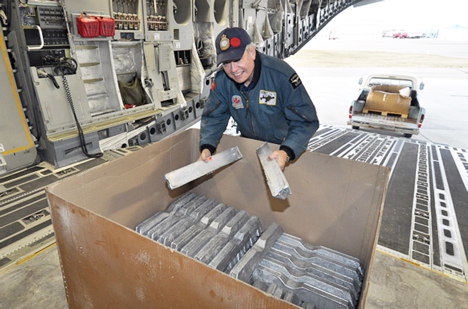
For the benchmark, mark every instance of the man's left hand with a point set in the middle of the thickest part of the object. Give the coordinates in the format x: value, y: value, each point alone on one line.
x: 281, y: 157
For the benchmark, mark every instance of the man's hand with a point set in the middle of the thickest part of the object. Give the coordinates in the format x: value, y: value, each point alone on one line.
x: 281, y: 157
x: 205, y: 155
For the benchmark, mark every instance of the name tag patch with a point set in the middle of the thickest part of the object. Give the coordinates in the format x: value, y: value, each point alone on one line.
x: 267, y: 97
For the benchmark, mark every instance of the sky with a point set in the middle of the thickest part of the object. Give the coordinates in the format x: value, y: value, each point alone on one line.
x: 408, y: 15
x: 416, y: 13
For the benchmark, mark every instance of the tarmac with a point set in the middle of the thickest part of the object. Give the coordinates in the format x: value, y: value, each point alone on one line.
x: 330, y: 71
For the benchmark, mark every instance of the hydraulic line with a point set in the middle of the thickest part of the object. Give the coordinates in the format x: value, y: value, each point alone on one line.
x: 69, y: 66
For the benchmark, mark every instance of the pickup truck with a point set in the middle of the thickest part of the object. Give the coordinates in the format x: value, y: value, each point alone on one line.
x: 388, y: 102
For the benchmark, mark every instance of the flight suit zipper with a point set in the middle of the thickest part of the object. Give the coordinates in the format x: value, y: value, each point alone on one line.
x: 247, y: 111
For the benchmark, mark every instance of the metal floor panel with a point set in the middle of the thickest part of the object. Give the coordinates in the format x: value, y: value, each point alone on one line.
x: 457, y: 184
x: 396, y: 220
x: 426, y: 210
x: 25, y: 222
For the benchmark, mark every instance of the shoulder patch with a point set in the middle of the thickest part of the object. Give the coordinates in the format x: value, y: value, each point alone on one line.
x: 213, y: 85
x: 295, y: 80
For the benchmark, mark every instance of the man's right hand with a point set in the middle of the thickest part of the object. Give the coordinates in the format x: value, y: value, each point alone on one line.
x: 205, y: 155
x: 281, y: 157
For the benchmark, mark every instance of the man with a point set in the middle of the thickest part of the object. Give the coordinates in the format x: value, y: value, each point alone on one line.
x: 263, y: 94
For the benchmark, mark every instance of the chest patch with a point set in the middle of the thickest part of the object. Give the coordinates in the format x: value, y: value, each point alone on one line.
x: 237, y: 102
x: 267, y: 97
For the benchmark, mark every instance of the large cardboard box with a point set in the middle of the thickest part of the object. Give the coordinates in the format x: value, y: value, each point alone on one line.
x: 335, y: 203
x: 386, y: 99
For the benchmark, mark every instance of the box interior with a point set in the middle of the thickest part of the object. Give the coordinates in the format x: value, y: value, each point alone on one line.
x: 335, y: 202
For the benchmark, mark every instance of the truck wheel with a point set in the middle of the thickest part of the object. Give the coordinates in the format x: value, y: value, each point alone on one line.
x: 355, y: 127
x: 407, y: 135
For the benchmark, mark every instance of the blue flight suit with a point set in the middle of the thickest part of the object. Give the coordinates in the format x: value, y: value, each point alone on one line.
x: 275, y: 108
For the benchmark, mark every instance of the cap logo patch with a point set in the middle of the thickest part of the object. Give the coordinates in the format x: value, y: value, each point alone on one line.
x: 235, y: 42
x: 224, y: 43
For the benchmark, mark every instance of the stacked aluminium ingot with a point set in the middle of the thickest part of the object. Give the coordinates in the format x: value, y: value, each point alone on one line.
x: 204, y: 229
x: 278, y: 263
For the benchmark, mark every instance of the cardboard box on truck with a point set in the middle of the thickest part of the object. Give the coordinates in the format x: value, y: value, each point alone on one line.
x: 335, y: 203
x: 386, y: 99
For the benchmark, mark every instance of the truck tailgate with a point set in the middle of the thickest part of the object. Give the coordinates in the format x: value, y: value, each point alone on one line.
x: 385, y: 121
